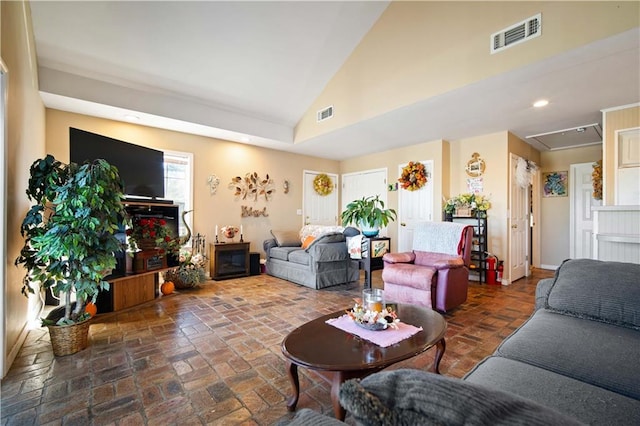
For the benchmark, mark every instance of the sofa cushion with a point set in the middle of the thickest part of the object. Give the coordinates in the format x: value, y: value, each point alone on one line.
x: 579, y: 348
x: 331, y: 237
x: 286, y: 238
x: 414, y: 397
x: 409, y: 275
x: 282, y: 253
x: 300, y: 257
x: 604, y: 291
x: 582, y: 401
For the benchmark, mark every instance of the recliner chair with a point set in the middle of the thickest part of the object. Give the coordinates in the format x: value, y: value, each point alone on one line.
x: 435, y: 273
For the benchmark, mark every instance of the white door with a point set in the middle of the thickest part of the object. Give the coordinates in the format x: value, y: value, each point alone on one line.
x: 581, y: 216
x: 364, y: 184
x: 518, y: 227
x: 319, y: 209
x: 414, y: 207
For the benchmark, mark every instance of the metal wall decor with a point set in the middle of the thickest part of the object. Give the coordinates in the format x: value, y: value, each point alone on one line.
x: 213, y: 182
x: 476, y: 166
x: 252, y: 187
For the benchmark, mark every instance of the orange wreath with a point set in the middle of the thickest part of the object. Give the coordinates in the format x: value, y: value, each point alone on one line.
x: 413, y: 177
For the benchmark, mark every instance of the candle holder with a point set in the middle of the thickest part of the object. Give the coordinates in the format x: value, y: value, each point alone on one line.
x: 241, y: 239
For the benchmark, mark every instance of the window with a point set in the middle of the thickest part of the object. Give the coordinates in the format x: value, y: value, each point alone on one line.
x: 178, y: 183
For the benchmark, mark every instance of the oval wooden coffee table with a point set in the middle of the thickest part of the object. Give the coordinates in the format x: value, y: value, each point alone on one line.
x: 320, y: 346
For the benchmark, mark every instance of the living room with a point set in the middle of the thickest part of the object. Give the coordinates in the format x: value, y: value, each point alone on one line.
x: 34, y: 130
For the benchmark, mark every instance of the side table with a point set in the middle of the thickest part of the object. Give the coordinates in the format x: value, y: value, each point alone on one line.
x: 372, y: 251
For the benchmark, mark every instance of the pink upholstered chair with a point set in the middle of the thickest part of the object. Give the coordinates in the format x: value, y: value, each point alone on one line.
x: 435, y: 273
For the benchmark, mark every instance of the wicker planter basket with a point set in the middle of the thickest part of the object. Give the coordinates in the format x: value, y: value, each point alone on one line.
x: 69, y: 339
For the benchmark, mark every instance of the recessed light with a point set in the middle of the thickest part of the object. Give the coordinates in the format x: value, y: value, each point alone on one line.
x: 541, y: 103
x: 131, y: 117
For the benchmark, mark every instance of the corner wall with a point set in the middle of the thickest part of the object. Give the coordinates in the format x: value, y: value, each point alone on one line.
x: 25, y: 143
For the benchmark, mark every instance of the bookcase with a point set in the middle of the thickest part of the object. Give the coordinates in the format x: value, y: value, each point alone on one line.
x: 478, y: 267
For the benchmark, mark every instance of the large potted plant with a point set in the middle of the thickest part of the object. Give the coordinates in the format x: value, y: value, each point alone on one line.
x: 369, y: 214
x: 69, y: 241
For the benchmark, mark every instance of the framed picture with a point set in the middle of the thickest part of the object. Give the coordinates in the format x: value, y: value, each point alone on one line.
x: 554, y: 184
x: 379, y: 248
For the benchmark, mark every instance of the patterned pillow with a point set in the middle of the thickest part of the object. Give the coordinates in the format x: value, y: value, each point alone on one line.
x: 317, y: 230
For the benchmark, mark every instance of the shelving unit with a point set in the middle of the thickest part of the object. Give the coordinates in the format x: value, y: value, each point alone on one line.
x: 478, y: 267
x: 372, y: 251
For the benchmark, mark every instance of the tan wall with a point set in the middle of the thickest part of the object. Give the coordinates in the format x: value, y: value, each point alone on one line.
x: 555, y: 211
x: 401, y: 60
x: 435, y: 150
x: 25, y: 143
x: 211, y: 156
x: 619, y: 119
x: 493, y: 149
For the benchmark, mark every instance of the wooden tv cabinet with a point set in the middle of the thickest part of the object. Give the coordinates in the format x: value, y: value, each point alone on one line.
x: 130, y: 290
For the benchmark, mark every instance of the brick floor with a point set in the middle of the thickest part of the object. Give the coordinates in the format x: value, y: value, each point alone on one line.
x: 212, y: 355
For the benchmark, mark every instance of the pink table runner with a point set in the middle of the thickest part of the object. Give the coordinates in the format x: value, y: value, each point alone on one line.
x: 382, y: 338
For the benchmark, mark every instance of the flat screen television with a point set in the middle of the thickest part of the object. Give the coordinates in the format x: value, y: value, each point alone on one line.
x: 141, y: 168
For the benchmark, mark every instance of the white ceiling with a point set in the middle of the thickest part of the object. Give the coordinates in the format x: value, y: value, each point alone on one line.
x: 248, y: 71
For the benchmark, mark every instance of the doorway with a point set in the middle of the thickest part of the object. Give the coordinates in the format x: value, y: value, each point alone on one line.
x: 413, y: 207
x: 519, y: 225
x: 319, y: 209
x: 581, y: 216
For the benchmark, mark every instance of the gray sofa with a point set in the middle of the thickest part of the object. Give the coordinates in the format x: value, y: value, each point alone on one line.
x: 575, y: 361
x: 324, y: 263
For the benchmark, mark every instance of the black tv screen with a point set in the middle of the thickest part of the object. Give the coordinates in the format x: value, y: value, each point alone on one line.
x: 141, y: 168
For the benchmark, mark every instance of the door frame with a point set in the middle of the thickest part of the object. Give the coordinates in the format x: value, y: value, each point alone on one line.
x: 528, y: 234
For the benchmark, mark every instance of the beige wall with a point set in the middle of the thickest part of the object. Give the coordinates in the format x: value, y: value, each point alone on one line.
x: 614, y: 120
x: 402, y: 61
x: 437, y: 151
x: 25, y: 143
x: 555, y: 211
x: 211, y: 156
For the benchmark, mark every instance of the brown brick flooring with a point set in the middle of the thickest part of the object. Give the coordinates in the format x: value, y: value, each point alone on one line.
x: 212, y: 355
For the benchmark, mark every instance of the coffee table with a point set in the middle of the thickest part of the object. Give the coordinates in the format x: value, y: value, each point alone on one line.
x: 319, y: 346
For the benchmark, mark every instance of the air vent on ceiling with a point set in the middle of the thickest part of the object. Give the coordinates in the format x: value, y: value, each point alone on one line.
x: 518, y: 33
x: 325, y: 113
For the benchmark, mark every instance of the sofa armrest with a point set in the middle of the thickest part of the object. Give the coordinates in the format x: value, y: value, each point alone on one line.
x: 448, y: 264
x: 268, y: 245
x: 542, y: 292
x: 405, y: 257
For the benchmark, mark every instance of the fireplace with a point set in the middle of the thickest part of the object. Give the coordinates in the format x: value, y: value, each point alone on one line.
x: 228, y: 260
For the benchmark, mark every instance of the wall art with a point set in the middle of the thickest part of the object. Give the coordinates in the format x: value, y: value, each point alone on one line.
x: 554, y: 184
x: 252, y: 187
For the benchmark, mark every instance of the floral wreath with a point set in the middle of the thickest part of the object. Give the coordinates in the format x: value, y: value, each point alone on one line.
x: 322, y: 184
x: 413, y: 176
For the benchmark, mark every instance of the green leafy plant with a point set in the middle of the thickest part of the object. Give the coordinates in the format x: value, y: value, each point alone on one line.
x: 367, y: 211
x: 69, y: 231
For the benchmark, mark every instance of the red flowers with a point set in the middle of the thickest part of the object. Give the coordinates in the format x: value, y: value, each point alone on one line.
x: 152, y: 229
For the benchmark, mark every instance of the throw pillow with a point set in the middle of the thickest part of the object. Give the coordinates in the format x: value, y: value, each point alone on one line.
x: 307, y: 241
x: 598, y: 290
x: 286, y: 238
x: 414, y: 397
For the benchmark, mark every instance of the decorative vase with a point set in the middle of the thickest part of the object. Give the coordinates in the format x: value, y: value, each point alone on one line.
x: 369, y: 230
x: 146, y: 244
x: 229, y: 233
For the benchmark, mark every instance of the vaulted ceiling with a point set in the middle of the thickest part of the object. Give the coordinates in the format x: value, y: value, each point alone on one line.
x: 248, y: 72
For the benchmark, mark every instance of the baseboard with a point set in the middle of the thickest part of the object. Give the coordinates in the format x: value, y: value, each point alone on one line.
x: 13, y: 353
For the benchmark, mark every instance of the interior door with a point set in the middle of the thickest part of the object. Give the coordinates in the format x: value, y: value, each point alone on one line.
x: 519, y: 226
x: 319, y: 209
x: 364, y: 184
x: 414, y: 207
x: 581, y: 231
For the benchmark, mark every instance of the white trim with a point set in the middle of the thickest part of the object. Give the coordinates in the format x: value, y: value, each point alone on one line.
x: 550, y: 267
x: 620, y: 107
x: 563, y: 130
x: 616, y: 161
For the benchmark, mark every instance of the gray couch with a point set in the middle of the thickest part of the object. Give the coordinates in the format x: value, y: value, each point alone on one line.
x: 324, y: 263
x: 575, y: 361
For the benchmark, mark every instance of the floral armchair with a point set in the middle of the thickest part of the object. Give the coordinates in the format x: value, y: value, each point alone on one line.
x: 435, y: 273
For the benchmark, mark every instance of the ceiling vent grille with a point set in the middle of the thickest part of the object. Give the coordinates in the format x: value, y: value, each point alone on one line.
x: 325, y: 113
x: 518, y: 33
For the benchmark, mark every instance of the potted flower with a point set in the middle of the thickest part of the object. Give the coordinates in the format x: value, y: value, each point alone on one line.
x: 467, y: 204
x: 69, y: 243
x: 151, y: 233
x: 189, y: 273
x: 369, y: 214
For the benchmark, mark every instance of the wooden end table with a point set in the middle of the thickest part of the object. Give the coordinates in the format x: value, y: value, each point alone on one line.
x: 320, y: 346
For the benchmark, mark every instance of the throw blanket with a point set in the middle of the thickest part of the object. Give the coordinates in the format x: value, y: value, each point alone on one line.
x: 438, y: 237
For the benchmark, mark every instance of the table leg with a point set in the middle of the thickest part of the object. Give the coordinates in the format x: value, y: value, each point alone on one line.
x: 440, y: 348
x: 338, y: 411
x: 292, y: 370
